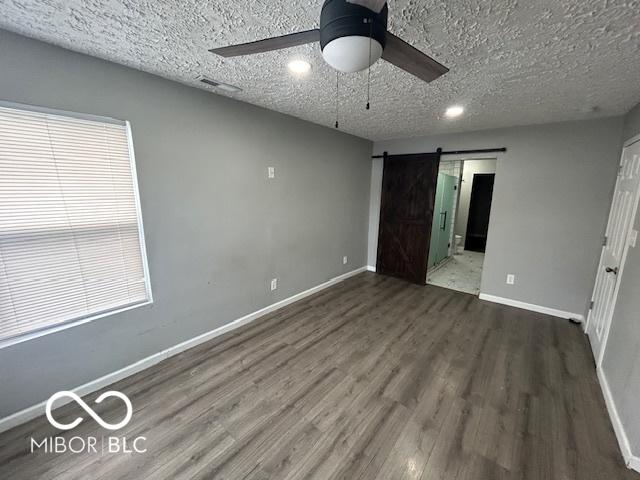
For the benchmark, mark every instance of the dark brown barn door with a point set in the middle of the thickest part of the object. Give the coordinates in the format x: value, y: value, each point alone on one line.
x: 406, y: 213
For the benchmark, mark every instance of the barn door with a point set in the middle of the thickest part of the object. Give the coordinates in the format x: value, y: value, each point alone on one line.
x: 406, y: 214
x: 621, y: 217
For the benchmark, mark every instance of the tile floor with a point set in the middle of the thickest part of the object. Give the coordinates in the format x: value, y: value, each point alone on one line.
x: 460, y: 272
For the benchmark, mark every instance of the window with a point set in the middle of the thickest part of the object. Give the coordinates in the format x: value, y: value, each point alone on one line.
x: 71, y: 239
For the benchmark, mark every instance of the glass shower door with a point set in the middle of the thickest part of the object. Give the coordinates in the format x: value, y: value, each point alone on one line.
x: 446, y: 190
x: 435, y: 226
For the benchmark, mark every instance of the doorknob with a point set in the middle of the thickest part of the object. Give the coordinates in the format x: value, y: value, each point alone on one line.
x: 611, y: 270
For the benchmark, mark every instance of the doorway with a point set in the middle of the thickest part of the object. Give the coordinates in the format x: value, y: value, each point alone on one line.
x: 461, y: 221
x: 479, y: 211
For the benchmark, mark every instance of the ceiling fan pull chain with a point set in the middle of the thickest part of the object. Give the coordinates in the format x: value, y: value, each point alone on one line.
x: 369, y: 69
x: 337, y: 97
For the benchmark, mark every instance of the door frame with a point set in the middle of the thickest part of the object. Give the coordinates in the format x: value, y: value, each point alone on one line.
x: 499, y: 157
x: 375, y: 197
x: 607, y: 327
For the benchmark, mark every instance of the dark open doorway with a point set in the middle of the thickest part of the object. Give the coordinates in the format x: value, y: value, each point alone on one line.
x: 479, y: 211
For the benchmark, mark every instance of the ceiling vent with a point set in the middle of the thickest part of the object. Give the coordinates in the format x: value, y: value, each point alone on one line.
x: 222, y: 86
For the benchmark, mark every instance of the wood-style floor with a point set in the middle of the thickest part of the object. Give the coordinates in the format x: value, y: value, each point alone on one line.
x: 373, y: 378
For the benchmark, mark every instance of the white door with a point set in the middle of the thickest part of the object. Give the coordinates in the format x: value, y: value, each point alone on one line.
x: 618, y: 234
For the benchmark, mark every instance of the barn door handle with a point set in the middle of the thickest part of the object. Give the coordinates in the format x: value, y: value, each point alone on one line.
x: 443, y: 221
x: 611, y: 270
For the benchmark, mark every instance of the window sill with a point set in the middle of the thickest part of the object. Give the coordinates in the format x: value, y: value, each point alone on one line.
x: 8, y: 342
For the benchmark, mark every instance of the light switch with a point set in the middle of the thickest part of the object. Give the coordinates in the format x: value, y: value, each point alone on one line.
x: 633, y: 237
x: 271, y: 171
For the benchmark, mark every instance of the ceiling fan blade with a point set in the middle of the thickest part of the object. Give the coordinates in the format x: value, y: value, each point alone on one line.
x: 269, y: 44
x: 412, y: 60
x: 375, y: 5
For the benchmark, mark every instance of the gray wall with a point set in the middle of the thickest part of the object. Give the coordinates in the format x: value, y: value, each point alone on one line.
x: 632, y: 123
x: 621, y: 363
x: 216, y: 229
x: 550, y: 205
x: 469, y: 169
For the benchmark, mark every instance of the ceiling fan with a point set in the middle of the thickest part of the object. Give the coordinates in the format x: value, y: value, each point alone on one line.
x: 353, y: 36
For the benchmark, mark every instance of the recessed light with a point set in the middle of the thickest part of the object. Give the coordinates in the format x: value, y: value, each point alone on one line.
x: 454, y: 111
x: 299, y: 67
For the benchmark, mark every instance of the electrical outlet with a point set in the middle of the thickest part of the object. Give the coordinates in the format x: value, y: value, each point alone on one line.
x: 511, y: 279
x: 271, y: 172
x: 344, y: 260
x: 274, y: 284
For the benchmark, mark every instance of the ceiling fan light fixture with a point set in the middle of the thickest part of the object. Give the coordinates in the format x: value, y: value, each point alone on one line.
x: 353, y: 35
x: 454, y: 111
x: 299, y: 67
x: 352, y: 53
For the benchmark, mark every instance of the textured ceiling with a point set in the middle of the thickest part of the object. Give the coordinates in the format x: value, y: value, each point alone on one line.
x: 512, y: 62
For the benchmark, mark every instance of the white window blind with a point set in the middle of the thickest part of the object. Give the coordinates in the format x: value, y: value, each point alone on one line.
x: 71, y: 242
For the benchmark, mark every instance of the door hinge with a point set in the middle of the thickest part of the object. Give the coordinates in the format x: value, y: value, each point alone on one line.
x: 591, y: 305
x: 605, y: 240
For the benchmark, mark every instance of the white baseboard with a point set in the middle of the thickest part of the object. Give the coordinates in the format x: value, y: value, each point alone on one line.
x: 630, y: 460
x: 634, y: 464
x: 34, y: 411
x: 371, y: 268
x: 530, y: 306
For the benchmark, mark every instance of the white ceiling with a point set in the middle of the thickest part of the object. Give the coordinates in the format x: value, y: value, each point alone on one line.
x: 512, y: 62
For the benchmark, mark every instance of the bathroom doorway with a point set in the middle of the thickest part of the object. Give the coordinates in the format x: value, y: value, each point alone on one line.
x: 460, y: 223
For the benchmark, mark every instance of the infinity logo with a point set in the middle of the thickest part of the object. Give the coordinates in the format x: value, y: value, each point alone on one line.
x: 94, y: 415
